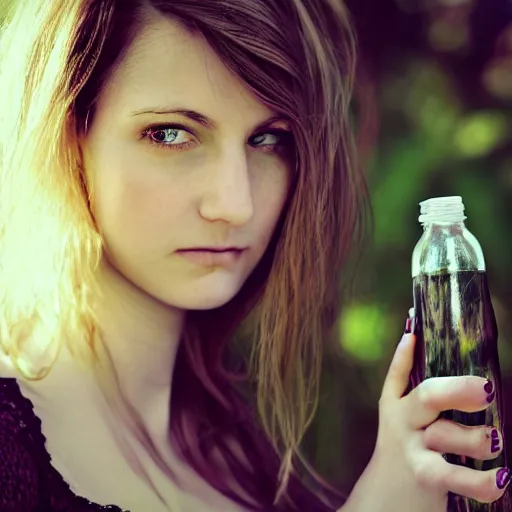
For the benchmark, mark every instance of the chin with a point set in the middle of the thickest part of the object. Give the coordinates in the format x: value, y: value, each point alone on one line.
x: 202, y: 298
x: 205, y: 303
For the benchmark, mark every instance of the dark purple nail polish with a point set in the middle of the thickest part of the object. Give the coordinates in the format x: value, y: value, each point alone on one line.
x: 495, y: 445
x: 410, y: 322
x: 489, y: 387
x: 494, y: 433
x: 490, y: 397
x: 502, y: 478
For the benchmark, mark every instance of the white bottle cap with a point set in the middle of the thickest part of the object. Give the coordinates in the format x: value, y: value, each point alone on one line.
x: 449, y: 210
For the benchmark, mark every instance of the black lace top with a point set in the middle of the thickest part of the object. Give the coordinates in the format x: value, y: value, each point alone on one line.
x: 28, y: 481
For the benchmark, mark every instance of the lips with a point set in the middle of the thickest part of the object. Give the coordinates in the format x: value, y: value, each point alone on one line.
x: 212, y: 249
x: 212, y: 256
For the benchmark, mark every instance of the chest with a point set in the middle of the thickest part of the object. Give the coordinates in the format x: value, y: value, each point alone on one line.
x: 108, y: 468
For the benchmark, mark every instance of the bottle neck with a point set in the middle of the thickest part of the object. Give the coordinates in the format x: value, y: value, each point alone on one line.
x: 446, y: 247
x: 439, y: 225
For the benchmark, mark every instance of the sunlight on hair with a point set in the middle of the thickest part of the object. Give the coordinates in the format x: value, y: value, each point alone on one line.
x: 46, y: 233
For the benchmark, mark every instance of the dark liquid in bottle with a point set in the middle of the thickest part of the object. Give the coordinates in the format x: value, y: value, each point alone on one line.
x: 456, y: 334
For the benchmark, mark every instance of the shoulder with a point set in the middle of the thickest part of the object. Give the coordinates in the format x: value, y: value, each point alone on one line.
x: 35, y: 342
x: 7, y: 369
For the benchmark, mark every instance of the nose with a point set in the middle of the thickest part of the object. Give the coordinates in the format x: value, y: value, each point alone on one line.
x: 227, y: 191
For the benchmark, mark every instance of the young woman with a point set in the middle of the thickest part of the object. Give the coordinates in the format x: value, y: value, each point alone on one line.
x: 178, y: 197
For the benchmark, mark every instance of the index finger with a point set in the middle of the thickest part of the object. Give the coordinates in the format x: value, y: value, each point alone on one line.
x: 397, y: 378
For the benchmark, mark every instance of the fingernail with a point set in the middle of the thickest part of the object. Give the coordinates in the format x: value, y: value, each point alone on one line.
x: 489, y: 389
x: 408, y: 326
x: 502, y: 478
x: 495, y: 441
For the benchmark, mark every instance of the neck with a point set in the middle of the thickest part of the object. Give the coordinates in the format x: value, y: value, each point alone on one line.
x: 141, y: 336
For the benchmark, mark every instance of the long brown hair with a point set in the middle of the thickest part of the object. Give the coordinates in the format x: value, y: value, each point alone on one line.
x: 298, y: 58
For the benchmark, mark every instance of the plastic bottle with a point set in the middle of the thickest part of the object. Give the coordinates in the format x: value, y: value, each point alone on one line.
x: 454, y: 322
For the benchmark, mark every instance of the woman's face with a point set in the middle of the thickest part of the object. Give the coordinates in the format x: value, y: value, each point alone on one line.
x: 181, y: 157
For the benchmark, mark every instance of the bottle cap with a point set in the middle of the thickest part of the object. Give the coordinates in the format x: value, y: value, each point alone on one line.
x: 448, y: 210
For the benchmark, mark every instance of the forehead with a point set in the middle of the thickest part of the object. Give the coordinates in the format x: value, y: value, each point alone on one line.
x: 166, y: 64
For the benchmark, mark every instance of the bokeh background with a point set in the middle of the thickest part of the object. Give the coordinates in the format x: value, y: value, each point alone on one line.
x: 435, y: 94
x: 434, y: 91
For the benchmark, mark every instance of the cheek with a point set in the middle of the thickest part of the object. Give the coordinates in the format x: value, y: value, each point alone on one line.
x: 135, y: 205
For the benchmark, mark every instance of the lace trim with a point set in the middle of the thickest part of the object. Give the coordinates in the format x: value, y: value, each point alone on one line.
x: 17, y: 416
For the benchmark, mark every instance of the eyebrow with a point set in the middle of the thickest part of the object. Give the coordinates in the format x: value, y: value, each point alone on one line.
x: 198, y: 117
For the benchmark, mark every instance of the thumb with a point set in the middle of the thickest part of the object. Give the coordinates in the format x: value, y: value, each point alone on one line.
x: 397, y: 378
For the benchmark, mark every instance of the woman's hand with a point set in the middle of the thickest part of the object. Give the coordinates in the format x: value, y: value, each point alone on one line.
x: 407, y: 472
